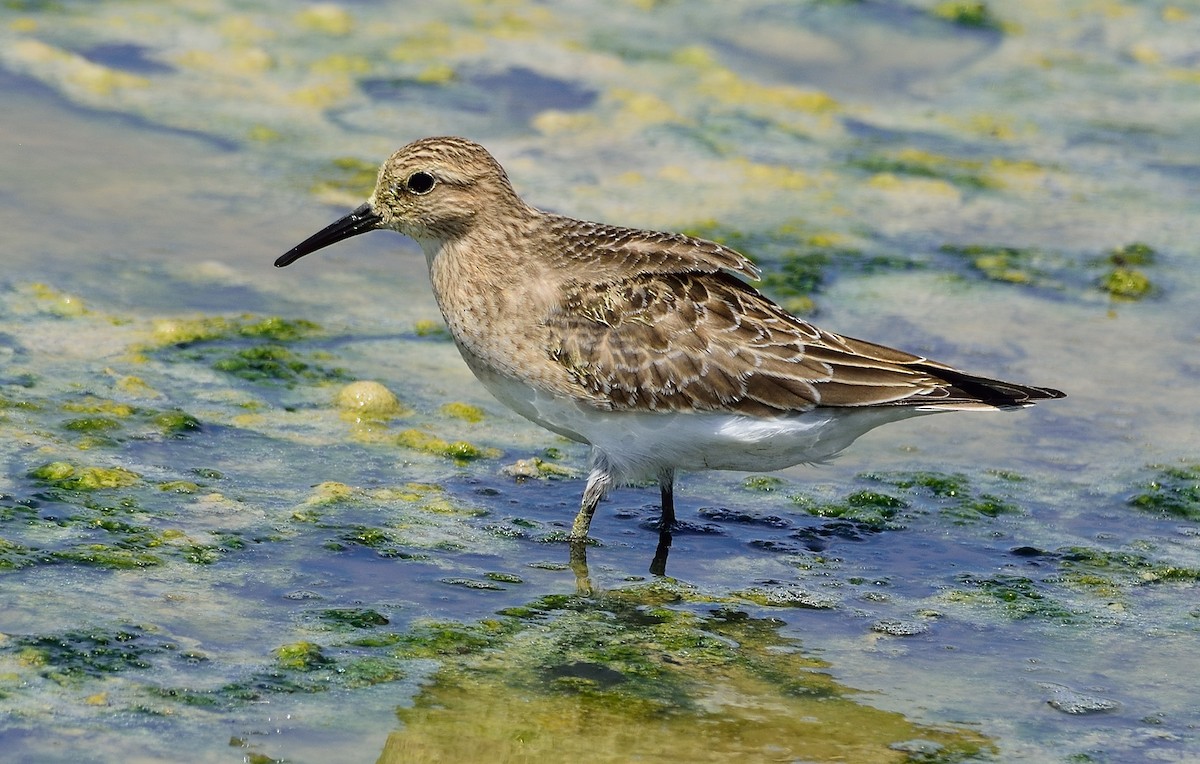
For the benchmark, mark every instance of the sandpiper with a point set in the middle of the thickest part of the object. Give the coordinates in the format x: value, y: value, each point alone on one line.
x: 650, y: 347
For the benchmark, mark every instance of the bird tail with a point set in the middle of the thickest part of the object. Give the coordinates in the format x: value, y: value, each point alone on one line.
x: 967, y: 392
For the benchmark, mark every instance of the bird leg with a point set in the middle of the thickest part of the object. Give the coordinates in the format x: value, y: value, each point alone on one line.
x: 579, y: 566
x: 666, y: 483
x: 598, y: 483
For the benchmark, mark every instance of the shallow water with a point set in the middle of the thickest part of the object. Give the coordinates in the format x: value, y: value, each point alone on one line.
x: 265, y: 577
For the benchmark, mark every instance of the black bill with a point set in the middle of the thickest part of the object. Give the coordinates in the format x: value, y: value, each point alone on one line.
x: 361, y: 220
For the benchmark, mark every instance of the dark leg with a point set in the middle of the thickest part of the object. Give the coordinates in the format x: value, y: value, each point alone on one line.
x: 666, y: 483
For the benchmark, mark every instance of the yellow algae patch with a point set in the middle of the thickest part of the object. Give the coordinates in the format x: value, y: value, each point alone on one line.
x: 367, y: 399
x: 675, y: 173
x: 1174, y: 13
x: 773, y: 176
x: 243, y: 30
x: 340, y: 63
x: 73, y: 69
x: 642, y: 108
x: 886, y: 181
x: 555, y: 122
x: 1002, y: 127
x: 464, y: 411
x: 326, y: 18
x: 325, y: 94
x: 182, y: 331
x: 23, y: 25
x: 179, y: 486
x: 428, y: 327
x: 437, y: 40
x: 331, y: 492
x: 459, y: 450
x: 56, y: 302
x: 97, y: 699
x: 263, y: 134
x: 92, y: 405
x: 1145, y: 53
x: 1016, y: 173
x: 240, y: 61
x: 727, y: 86
x: 1113, y: 9
x: 137, y: 387
x: 436, y: 74
x: 509, y: 20
x: 408, y: 492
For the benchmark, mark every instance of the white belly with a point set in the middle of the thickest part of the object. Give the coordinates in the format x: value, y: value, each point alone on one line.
x: 638, y: 445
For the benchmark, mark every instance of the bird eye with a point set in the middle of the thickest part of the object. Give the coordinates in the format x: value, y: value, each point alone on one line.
x: 419, y: 183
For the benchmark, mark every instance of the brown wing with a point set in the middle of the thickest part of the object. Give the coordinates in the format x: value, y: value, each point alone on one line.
x: 707, y: 341
x: 611, y: 253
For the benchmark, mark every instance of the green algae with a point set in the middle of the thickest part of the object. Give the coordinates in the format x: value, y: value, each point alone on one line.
x: 179, y: 486
x: 460, y: 451
x: 426, y: 327
x: 94, y: 405
x: 108, y: 556
x: 183, y: 332
x: 110, y: 533
x: 70, y: 657
x: 438, y: 639
x: 623, y: 676
x: 1124, y: 278
x: 1108, y: 571
x: 222, y: 343
x: 966, y: 13
x: 114, y: 428
x: 868, y: 509
x: 1010, y: 265
x: 91, y: 424
x: 73, y: 477
x: 353, y: 618
x: 968, y: 173
x: 1174, y: 492
x: 763, y: 483
x: 1016, y: 597
x: 301, y: 656
x: 175, y: 423
x: 276, y: 363
x: 372, y: 538
x: 958, y: 499
x: 1126, y: 283
x: 208, y: 554
x: 1122, y: 271
x: 463, y: 411
x: 797, y: 262
x: 15, y: 556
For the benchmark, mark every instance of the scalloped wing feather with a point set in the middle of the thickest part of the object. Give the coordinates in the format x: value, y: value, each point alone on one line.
x: 709, y: 342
